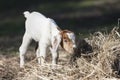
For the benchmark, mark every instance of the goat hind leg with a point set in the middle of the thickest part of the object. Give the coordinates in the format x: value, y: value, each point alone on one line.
x: 23, y: 48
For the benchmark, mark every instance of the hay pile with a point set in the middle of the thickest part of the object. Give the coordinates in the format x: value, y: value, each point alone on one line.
x: 101, y: 65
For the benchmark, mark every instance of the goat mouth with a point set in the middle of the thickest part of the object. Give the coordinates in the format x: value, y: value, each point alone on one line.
x: 70, y: 52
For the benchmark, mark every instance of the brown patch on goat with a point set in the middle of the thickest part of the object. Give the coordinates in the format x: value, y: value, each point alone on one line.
x: 66, y: 43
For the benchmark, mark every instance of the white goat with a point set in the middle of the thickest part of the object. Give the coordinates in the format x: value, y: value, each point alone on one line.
x: 46, y: 32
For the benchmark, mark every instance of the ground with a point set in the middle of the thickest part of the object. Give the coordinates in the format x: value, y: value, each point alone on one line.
x: 101, y: 65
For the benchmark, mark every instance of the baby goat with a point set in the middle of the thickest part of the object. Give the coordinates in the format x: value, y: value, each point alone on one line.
x: 48, y: 35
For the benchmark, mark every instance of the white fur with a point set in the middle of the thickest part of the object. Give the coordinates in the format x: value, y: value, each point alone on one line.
x: 71, y: 36
x: 43, y: 30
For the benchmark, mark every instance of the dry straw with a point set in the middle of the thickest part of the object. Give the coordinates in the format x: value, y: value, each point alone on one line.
x: 98, y: 66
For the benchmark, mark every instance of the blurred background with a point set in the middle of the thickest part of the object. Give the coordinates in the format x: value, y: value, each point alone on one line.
x: 81, y: 16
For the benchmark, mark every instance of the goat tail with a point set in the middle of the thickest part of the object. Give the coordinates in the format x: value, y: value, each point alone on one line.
x: 26, y: 14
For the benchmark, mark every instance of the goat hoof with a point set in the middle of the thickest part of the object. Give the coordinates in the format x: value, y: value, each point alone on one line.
x: 21, y: 66
x: 54, y: 67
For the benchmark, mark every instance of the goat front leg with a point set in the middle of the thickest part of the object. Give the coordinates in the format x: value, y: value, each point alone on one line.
x: 55, y: 43
x: 23, y: 48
